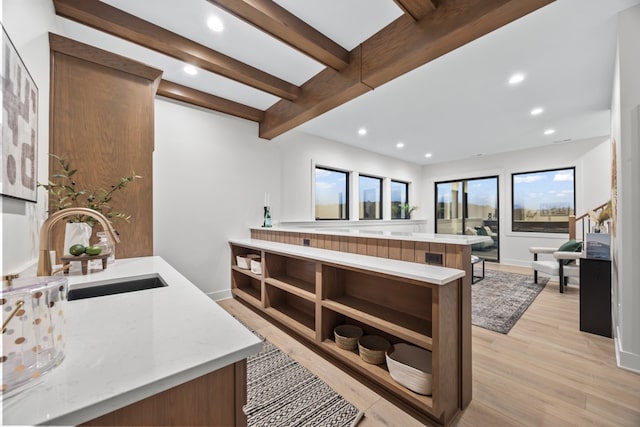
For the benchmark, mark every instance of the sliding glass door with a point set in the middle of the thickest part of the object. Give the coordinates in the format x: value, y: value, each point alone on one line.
x: 470, y: 206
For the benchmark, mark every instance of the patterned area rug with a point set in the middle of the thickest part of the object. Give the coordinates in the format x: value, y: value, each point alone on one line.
x: 498, y: 301
x: 281, y: 392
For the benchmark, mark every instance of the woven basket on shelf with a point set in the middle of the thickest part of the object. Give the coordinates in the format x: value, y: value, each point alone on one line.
x: 347, y: 336
x: 411, y: 366
x: 373, y: 348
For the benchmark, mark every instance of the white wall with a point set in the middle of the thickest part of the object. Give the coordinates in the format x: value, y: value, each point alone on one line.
x: 210, y: 174
x: 27, y: 22
x: 625, y: 130
x: 514, y: 246
x: 300, y: 151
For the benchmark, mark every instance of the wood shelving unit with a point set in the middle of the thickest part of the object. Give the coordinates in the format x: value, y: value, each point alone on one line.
x: 312, y: 297
x: 383, y: 318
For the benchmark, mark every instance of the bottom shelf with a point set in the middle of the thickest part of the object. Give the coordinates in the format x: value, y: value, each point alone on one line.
x: 380, y: 375
x: 297, y: 320
x: 250, y: 295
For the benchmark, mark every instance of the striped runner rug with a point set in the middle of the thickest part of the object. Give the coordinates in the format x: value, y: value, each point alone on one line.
x: 281, y: 392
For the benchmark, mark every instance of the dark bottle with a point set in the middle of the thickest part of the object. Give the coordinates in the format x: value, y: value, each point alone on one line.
x: 267, y: 217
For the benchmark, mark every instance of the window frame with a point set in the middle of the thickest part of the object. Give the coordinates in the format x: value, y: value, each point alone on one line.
x: 406, y: 196
x: 347, y: 202
x: 465, y: 209
x: 572, y: 209
x: 379, y: 212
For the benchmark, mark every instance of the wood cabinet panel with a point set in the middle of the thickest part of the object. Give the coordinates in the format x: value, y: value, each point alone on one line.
x: 102, y: 121
x: 214, y: 399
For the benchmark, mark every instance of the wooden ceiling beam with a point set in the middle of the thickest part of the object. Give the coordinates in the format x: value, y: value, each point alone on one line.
x: 202, y: 99
x: 277, y: 22
x: 104, y: 17
x: 325, y: 91
x: 396, y: 49
x: 417, y: 9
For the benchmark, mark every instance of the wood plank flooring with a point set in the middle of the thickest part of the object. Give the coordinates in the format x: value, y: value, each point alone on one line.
x: 545, y: 372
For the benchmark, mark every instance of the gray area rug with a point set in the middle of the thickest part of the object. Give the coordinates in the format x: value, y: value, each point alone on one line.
x: 498, y: 301
x: 281, y: 392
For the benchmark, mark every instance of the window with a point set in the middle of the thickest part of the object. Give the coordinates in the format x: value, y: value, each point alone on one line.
x: 370, y: 197
x: 543, y: 200
x: 399, y: 199
x: 332, y: 194
x: 470, y: 206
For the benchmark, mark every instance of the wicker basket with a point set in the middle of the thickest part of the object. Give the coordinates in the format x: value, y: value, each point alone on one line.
x: 411, y: 366
x: 347, y: 336
x: 373, y: 349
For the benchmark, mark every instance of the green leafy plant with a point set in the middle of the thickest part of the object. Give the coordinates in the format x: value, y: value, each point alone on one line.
x: 404, y: 210
x: 65, y: 194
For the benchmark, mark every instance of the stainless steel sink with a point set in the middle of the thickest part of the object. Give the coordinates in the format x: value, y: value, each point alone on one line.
x: 130, y: 284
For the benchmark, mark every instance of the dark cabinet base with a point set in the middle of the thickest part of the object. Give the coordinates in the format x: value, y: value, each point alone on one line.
x: 595, y: 296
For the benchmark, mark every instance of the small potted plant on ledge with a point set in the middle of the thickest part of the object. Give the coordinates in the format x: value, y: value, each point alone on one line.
x: 408, y: 210
x: 403, y: 210
x: 65, y: 193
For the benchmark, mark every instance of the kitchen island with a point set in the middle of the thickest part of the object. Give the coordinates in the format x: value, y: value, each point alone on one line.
x: 310, y: 291
x: 168, y: 355
x: 445, y: 250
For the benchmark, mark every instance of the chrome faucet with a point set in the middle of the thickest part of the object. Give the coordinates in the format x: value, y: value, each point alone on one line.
x: 44, y: 260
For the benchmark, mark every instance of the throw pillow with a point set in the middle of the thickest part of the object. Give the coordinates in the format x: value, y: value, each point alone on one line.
x: 570, y: 246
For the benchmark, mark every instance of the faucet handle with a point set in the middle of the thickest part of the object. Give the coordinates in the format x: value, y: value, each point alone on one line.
x: 9, y: 278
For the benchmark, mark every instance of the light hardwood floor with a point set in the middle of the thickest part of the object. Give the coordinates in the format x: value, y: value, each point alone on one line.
x: 545, y: 372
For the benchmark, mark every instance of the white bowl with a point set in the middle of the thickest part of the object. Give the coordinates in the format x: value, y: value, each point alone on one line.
x: 411, y: 366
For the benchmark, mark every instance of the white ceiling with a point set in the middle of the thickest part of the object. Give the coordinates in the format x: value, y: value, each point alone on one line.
x: 455, y: 107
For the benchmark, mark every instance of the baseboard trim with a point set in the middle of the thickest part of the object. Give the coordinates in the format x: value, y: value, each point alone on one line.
x: 624, y: 359
x: 517, y: 262
x: 220, y: 295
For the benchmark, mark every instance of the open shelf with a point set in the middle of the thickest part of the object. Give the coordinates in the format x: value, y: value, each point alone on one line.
x: 402, y: 325
x: 247, y: 272
x: 249, y: 295
x: 378, y: 373
x: 295, y: 286
x: 246, y: 285
x: 291, y: 310
x: 291, y: 271
x: 297, y: 320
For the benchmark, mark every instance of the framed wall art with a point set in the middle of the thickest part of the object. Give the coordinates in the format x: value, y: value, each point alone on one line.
x: 19, y: 126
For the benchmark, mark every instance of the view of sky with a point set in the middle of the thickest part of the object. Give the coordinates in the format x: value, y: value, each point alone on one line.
x: 541, y: 190
x: 329, y: 186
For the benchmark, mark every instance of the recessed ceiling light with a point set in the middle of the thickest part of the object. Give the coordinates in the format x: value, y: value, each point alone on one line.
x: 191, y: 70
x: 215, y: 24
x: 516, y: 78
x: 400, y: 144
x: 428, y: 155
x: 362, y: 131
x: 537, y: 111
x: 549, y: 132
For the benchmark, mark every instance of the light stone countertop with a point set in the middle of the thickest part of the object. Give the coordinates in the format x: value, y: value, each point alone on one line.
x: 410, y: 270
x: 125, y: 347
x: 457, y: 239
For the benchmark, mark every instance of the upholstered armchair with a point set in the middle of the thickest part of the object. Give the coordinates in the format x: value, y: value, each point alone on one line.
x: 561, y: 262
